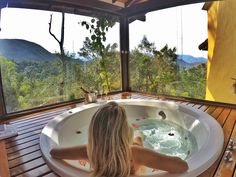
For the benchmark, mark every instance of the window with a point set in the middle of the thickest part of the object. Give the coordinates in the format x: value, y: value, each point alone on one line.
x: 39, y: 68
x: 164, y: 54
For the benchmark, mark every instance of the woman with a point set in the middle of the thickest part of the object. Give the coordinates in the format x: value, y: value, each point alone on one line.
x: 111, y: 150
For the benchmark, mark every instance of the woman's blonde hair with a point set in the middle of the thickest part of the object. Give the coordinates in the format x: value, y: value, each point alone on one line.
x: 108, y: 142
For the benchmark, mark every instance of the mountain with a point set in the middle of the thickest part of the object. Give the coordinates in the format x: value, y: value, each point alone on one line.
x: 188, y: 61
x: 22, y: 50
x: 183, y: 64
x: 191, y: 59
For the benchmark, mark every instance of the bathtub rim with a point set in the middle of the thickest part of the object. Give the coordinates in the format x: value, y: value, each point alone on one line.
x: 215, y: 130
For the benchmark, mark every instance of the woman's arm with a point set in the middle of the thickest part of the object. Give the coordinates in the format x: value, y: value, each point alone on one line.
x: 72, y: 153
x: 152, y: 159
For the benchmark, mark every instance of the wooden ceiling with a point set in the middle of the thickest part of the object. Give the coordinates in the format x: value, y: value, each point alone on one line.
x: 86, y: 7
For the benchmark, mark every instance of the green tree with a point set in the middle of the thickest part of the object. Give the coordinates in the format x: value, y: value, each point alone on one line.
x: 192, y: 83
x: 94, y: 74
x: 141, y: 60
x: 11, y: 81
x: 98, y: 27
x: 167, y: 69
x: 61, y: 55
x: 39, y: 83
x: 152, y: 70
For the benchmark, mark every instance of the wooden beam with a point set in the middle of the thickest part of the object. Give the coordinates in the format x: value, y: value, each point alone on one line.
x: 153, y: 5
x: 4, y: 169
x: 207, y: 5
x: 67, y: 6
x: 2, y: 100
x: 203, y: 45
x: 132, y: 7
x: 130, y: 2
x: 3, y: 4
x: 124, y: 52
x: 141, y: 17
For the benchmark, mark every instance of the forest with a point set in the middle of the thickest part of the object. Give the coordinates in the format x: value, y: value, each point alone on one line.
x: 30, y: 84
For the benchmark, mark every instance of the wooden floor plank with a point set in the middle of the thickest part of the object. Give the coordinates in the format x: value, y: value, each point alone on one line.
x: 18, y: 154
x: 22, y: 141
x: 227, y: 168
x: 204, y: 107
x: 29, y: 121
x: 50, y: 175
x: 4, y: 168
x: 40, y: 171
x: 210, y: 109
x: 20, y: 137
x: 197, y: 106
x: 23, y: 146
x: 32, y: 129
x: 38, y: 121
x: 191, y: 104
x: 24, y: 159
x: 38, y: 115
x: 223, y: 116
x: 44, y: 120
x: 216, y: 113
x: 228, y: 127
x: 17, y: 171
x: 184, y: 103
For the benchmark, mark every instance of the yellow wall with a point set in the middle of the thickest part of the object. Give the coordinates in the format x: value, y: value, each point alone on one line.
x: 221, y: 67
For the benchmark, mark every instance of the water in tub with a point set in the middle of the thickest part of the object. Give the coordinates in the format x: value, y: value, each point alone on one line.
x: 166, y: 137
x: 160, y: 135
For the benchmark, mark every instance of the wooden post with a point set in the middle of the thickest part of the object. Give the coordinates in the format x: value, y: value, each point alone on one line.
x: 2, y: 101
x: 4, y: 167
x: 124, y: 52
x: 0, y: 17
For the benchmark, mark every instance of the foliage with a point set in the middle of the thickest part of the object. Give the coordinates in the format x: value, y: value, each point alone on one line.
x: 152, y: 69
x: 98, y: 28
x: 33, y: 84
x: 94, y: 74
x: 193, y: 82
x: 10, y: 81
x: 158, y: 72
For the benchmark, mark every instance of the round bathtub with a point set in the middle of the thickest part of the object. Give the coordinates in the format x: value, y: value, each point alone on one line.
x: 70, y: 128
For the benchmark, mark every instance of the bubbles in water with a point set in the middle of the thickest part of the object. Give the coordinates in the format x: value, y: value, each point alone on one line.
x: 167, y: 137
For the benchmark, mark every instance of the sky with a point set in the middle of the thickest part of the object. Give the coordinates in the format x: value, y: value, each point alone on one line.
x: 184, y: 27
x: 171, y: 26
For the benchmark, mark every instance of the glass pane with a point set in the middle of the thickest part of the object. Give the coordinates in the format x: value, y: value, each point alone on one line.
x: 43, y: 63
x: 164, y: 54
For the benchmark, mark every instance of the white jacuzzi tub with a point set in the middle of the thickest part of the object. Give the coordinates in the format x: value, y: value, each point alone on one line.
x: 70, y: 128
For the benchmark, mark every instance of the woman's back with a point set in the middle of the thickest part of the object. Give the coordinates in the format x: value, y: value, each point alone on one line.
x: 109, y: 142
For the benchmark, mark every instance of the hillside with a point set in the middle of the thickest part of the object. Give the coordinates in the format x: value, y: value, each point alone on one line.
x: 22, y: 50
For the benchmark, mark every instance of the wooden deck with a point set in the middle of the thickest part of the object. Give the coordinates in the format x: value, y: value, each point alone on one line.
x: 20, y: 156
